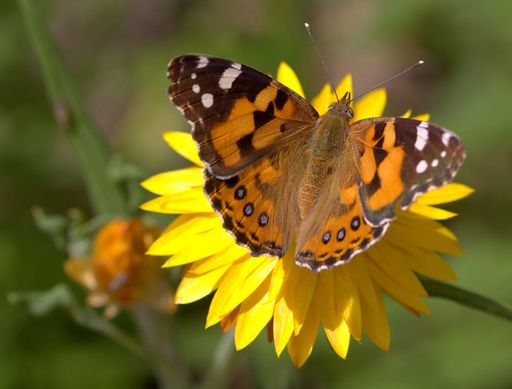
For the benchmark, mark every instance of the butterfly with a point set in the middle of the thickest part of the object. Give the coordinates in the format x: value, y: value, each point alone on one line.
x: 281, y: 176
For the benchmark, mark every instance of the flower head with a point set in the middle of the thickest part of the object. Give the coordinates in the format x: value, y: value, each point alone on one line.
x: 118, y: 272
x: 293, y: 302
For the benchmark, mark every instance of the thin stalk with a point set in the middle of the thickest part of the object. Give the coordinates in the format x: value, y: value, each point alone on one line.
x: 223, y: 364
x: 156, y: 331
x: 68, y: 109
x: 464, y: 297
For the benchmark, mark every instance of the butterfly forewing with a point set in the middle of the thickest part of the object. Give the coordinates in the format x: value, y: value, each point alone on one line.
x: 237, y: 113
x: 401, y: 159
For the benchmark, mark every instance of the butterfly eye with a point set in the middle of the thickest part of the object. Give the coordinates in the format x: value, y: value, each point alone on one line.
x: 349, y: 112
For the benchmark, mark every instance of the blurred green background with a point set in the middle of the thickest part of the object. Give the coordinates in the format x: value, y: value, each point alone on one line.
x: 117, y: 52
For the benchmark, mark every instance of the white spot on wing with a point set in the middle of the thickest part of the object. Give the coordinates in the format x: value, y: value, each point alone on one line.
x: 446, y: 138
x: 443, y: 153
x: 435, y: 162
x: 421, y: 166
x: 207, y: 100
x: 193, y: 76
x: 421, y: 136
x: 229, y: 76
x: 202, y: 62
x: 196, y: 88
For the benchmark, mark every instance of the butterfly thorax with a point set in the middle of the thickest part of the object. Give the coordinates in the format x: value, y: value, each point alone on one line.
x: 328, y: 141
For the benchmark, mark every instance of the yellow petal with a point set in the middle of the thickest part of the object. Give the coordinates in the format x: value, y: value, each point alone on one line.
x: 326, y: 97
x: 240, y: 281
x: 343, y: 87
x: 255, y: 313
x: 301, y: 345
x: 233, y: 252
x: 193, y: 288
x: 339, y: 338
x: 338, y: 301
x: 174, y: 181
x: 406, y: 114
x: 184, y: 145
x: 182, y: 232
x: 299, y: 289
x: 429, y: 212
x: 362, y: 280
x: 346, y: 299
x: 371, y: 105
x: 445, y: 194
x: 283, y: 324
x: 257, y: 310
x: 397, y: 292
x: 229, y: 321
x: 424, y: 117
x: 212, y: 242
x: 324, y: 299
x: 287, y: 76
x: 425, y: 261
x: 322, y: 101
x: 187, y: 201
x: 385, y: 257
x: 375, y: 322
x: 427, y: 234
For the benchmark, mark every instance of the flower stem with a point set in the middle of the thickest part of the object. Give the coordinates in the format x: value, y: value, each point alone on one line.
x: 156, y: 331
x: 223, y: 364
x: 473, y: 300
x: 70, y: 114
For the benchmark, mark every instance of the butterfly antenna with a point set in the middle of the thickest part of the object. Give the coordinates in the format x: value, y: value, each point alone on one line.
x: 417, y: 64
x: 322, y: 60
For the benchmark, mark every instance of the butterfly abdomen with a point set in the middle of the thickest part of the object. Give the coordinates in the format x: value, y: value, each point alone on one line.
x: 326, y: 144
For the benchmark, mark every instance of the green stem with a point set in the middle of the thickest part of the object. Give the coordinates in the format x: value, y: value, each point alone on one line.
x: 156, y: 331
x: 222, y: 365
x: 473, y: 300
x: 71, y: 115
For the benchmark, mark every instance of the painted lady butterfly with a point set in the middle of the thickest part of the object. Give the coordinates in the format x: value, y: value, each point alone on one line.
x: 279, y: 174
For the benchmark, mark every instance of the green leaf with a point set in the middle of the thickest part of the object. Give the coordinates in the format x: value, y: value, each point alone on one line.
x: 40, y: 303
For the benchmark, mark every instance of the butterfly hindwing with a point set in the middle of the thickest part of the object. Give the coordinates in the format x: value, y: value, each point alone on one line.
x: 257, y: 206
x: 237, y: 113
x: 400, y: 159
x: 332, y: 237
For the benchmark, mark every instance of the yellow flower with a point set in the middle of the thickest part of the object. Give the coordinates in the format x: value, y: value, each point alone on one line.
x: 118, y: 272
x: 254, y: 293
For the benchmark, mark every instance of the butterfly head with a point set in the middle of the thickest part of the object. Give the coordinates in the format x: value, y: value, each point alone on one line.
x: 342, y: 108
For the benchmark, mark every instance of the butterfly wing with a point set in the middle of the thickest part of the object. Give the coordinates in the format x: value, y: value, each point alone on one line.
x: 390, y: 161
x: 335, y: 230
x: 259, y: 206
x: 401, y: 159
x: 237, y: 114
